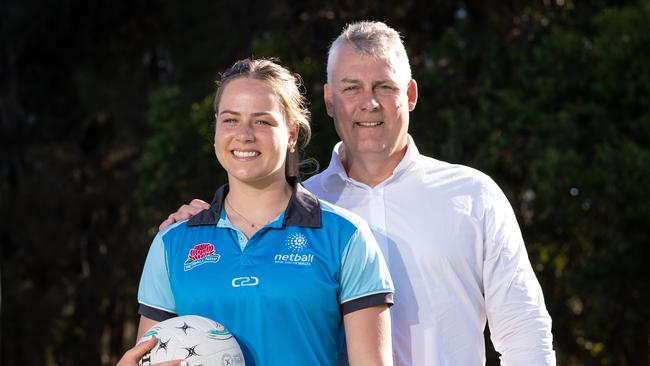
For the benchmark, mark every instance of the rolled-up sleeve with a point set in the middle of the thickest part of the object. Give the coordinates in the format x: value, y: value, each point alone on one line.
x: 520, y: 325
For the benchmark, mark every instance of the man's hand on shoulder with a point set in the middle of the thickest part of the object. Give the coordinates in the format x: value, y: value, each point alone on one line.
x: 185, y: 212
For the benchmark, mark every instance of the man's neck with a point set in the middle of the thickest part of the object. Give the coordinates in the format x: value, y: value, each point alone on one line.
x: 371, y: 169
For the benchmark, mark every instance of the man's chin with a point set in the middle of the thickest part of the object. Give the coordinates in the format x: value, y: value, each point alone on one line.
x: 372, y: 149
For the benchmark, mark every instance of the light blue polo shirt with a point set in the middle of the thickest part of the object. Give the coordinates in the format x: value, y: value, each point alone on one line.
x: 283, y: 292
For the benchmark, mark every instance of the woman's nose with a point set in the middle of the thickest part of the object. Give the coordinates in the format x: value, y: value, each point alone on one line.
x: 245, y: 133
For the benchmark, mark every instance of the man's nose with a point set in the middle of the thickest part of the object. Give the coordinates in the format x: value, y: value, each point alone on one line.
x: 369, y: 101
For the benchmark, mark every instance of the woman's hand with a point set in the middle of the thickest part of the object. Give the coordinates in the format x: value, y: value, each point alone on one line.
x: 132, y: 356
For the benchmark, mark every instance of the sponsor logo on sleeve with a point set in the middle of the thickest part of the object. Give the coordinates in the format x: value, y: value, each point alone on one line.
x: 201, y: 254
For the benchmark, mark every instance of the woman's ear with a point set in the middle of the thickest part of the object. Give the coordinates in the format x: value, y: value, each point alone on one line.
x: 294, y: 132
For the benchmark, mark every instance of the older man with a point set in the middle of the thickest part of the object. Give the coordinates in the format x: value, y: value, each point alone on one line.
x: 448, y: 233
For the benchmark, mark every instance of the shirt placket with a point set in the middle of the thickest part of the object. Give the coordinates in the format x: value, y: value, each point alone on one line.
x: 377, y: 220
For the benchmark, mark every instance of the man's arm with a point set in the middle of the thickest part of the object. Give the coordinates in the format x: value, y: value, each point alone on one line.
x: 185, y: 212
x: 368, y: 336
x: 520, y: 325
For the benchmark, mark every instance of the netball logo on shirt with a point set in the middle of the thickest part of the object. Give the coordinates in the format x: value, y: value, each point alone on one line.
x: 296, y: 243
x: 200, y: 254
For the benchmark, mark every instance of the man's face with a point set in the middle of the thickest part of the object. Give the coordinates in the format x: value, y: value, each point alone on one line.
x: 370, y: 100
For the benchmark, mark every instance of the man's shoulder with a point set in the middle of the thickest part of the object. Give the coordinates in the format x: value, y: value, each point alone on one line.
x: 313, y: 184
x: 432, y: 165
x: 441, y: 172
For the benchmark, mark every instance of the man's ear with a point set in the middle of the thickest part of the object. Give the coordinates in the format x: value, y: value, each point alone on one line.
x: 412, y: 94
x: 327, y: 96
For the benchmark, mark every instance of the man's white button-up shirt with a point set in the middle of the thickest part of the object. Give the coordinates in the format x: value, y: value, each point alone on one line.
x: 457, y: 258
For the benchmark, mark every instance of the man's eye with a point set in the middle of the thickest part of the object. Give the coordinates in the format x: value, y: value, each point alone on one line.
x: 350, y: 88
x: 386, y: 89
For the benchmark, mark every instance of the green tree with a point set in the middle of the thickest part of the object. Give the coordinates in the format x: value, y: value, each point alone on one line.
x: 106, y: 127
x: 553, y: 104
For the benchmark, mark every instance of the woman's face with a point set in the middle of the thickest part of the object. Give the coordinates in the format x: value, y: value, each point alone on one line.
x: 251, y: 135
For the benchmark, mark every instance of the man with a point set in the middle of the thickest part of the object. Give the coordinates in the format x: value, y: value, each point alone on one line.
x: 448, y: 233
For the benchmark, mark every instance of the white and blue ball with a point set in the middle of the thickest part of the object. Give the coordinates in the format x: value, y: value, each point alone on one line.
x: 195, y: 339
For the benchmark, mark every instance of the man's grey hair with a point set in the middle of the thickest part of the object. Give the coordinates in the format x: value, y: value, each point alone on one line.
x: 375, y: 39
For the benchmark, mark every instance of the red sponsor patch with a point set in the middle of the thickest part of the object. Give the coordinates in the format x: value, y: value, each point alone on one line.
x: 201, y: 251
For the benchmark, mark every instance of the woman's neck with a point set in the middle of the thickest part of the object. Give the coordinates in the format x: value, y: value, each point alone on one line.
x: 251, y: 207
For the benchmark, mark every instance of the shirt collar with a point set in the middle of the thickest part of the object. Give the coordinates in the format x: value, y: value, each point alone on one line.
x: 303, y: 208
x: 336, y: 172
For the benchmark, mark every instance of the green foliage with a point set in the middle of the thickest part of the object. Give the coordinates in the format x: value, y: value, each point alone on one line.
x: 556, y: 111
x: 106, y: 127
x: 177, y: 160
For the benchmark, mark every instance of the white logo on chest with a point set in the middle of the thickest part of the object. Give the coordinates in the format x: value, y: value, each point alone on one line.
x: 296, y: 243
x: 245, y: 281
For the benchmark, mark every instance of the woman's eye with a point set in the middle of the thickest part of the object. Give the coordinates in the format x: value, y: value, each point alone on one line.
x: 262, y: 122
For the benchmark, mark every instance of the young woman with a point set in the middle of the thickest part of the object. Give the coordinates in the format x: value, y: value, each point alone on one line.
x: 282, y: 270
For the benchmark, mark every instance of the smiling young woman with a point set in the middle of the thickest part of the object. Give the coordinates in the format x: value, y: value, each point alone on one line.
x: 313, y: 267
x: 252, y: 139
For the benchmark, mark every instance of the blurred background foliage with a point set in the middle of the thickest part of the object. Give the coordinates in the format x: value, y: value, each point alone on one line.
x: 105, y: 120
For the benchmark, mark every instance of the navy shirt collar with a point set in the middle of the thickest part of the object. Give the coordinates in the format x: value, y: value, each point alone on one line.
x: 303, y: 208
